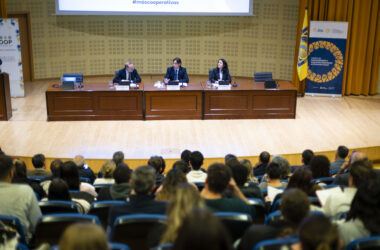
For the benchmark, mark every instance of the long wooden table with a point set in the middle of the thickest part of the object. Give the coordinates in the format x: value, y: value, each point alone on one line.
x: 95, y: 101
x: 99, y: 101
x: 250, y: 100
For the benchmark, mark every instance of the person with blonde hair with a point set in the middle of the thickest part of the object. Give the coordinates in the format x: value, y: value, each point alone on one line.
x: 83, y: 236
x: 247, y: 163
x: 172, y: 179
x: 182, y: 202
x: 107, y: 170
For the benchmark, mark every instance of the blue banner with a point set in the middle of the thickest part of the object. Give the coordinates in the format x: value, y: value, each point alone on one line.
x: 327, y: 47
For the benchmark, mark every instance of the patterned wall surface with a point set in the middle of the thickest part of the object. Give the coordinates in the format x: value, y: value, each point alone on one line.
x: 99, y: 45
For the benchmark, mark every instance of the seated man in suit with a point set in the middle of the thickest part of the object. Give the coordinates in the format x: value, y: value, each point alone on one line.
x: 220, y: 73
x: 176, y: 72
x: 128, y: 73
x: 141, y: 199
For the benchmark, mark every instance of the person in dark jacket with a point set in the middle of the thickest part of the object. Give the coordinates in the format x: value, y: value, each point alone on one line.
x: 121, y: 189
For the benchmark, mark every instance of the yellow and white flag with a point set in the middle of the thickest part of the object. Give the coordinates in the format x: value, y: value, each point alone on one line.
x: 302, y: 53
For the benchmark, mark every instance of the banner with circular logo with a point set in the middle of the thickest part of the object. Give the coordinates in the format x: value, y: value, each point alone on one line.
x: 327, y: 48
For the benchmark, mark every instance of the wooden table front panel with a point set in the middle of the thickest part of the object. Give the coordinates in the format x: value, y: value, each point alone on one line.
x: 250, y: 100
x: 86, y: 104
x: 5, y: 97
x: 162, y: 104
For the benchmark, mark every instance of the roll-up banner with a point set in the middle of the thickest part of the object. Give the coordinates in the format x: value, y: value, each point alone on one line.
x: 10, y: 55
x: 327, y: 48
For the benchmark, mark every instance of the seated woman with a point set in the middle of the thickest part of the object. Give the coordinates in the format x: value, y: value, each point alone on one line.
x: 363, y: 219
x: 169, y: 186
x: 107, y: 170
x: 221, y: 72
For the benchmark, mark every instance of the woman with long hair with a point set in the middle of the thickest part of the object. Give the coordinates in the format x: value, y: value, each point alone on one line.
x: 171, y: 181
x: 220, y: 73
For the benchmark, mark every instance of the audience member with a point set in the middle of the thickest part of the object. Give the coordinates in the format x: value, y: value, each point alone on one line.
x: 228, y: 157
x: 260, y: 167
x: 320, y: 166
x: 363, y: 219
x: 118, y: 157
x: 182, y: 202
x: 55, y: 168
x: 21, y: 178
x: 342, y: 176
x: 218, y: 179
x: 316, y: 232
x: 59, y: 190
x: 181, y: 164
x: 158, y: 163
x: 84, y: 170
x: 70, y: 174
x: 201, y: 230
x: 17, y: 200
x: 38, y: 161
x: 185, y: 156
x: 122, y: 188
x: 337, y: 203
x: 274, y: 172
x: 340, y: 156
x: 141, y: 199
x: 247, y: 163
x: 307, y: 155
x: 284, y: 166
x: 240, y: 174
x: 196, y: 162
x: 231, y: 162
x: 83, y: 236
x: 107, y: 170
x: 171, y: 181
x: 295, y: 206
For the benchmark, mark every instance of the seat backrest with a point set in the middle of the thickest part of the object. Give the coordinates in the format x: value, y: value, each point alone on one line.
x: 200, y: 185
x: 369, y: 243
x: 37, y: 178
x: 50, y: 227
x: 85, y: 179
x: 274, y: 244
x: 15, y: 223
x: 260, y: 211
x: 118, y: 246
x: 166, y: 246
x: 236, y: 223
x: 273, y: 217
x: 101, y: 209
x: 100, y: 186
x: 326, y: 180
x: 57, y: 206
x: 133, y: 230
x: 262, y: 76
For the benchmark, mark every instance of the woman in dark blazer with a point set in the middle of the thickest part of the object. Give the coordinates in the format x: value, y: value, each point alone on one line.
x: 221, y: 72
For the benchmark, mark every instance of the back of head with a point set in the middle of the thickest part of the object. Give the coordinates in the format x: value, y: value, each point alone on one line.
x: 201, y: 230
x: 5, y: 166
x: 182, y: 165
x: 20, y: 169
x: 196, y: 160
x: 157, y: 162
x: 301, y: 179
x: 55, y: 167
x: 108, y: 168
x: 320, y: 166
x: 185, y: 156
x: 59, y: 190
x: 38, y: 160
x: 360, y: 171
x: 240, y: 174
x: 248, y: 165
x: 342, y: 152
x: 228, y: 157
x: 122, y: 173
x: 307, y: 155
x: 366, y: 205
x: 79, y: 160
x: 118, y: 157
x: 284, y: 165
x: 231, y: 162
x: 274, y: 171
x: 173, y: 178
x: 218, y: 177
x: 70, y: 174
x: 83, y: 236
x: 295, y: 206
x: 264, y: 157
x: 143, y: 179
x: 318, y: 233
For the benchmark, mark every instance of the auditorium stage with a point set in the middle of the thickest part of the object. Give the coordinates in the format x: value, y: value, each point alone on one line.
x: 321, y: 124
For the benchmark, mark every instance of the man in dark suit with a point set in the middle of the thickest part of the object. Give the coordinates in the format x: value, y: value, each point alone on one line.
x: 141, y: 198
x: 176, y: 72
x: 128, y: 73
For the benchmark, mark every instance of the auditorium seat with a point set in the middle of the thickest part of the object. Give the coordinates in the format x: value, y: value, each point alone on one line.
x: 236, y: 223
x: 37, y: 178
x: 276, y: 216
x: 200, y: 185
x: 133, y: 230
x: 50, y: 227
x: 325, y: 180
x: 57, y: 206
x: 100, y: 186
x: 369, y: 243
x: 260, y: 212
x: 275, y: 244
x: 166, y: 246
x: 15, y: 223
x: 101, y: 209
